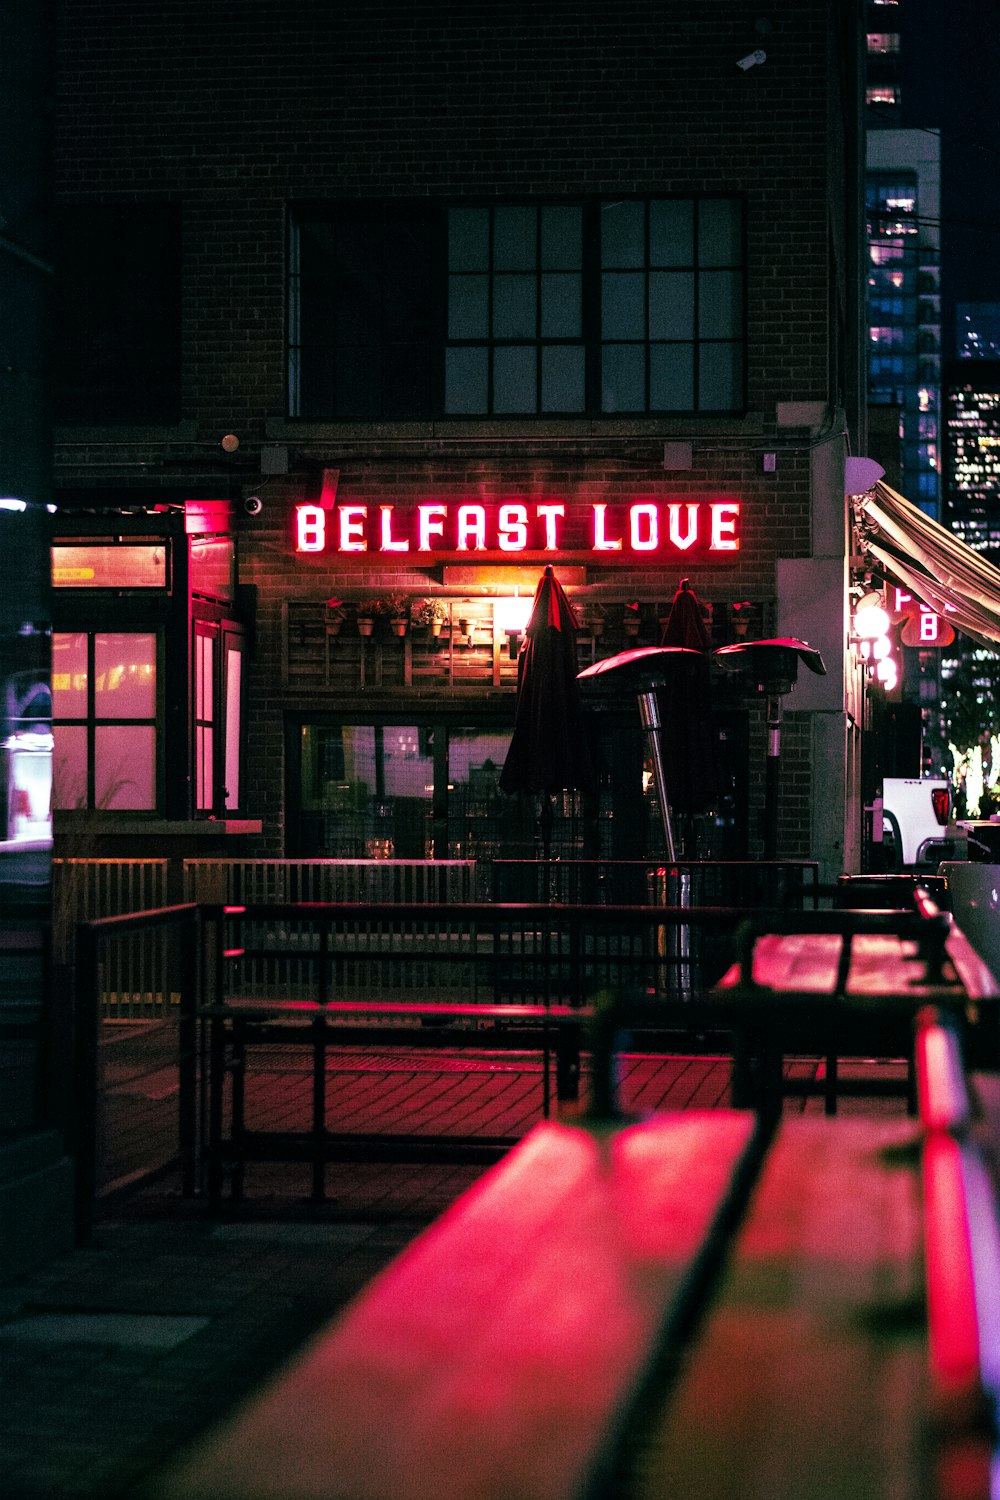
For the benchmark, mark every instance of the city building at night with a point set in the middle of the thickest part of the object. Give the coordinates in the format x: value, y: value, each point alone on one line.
x: 972, y: 488
x: 368, y: 318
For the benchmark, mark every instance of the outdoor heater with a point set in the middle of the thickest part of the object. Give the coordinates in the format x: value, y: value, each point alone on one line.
x: 645, y: 670
x: 771, y: 667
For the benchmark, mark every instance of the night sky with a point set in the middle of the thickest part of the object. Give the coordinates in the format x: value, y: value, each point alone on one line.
x: 950, y: 80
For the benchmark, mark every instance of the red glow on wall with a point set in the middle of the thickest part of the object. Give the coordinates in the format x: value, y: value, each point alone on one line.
x: 951, y: 1295
x: 644, y: 529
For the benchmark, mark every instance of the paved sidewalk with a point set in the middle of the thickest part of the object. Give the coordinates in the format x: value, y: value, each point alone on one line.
x: 114, y: 1357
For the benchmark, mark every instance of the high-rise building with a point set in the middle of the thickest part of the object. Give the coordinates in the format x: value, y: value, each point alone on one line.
x: 972, y: 475
x: 904, y: 300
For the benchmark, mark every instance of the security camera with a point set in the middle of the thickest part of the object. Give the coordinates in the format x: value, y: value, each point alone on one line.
x: 752, y: 60
x: 253, y: 505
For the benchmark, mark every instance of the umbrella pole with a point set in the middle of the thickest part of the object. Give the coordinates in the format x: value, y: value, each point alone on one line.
x: 649, y: 713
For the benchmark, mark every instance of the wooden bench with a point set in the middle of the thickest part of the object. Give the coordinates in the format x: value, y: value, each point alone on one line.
x: 501, y: 1354
x: 682, y: 1306
x: 234, y: 1028
x: 845, y: 983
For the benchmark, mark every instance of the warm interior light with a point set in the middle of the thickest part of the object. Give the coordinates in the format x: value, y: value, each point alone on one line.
x: 881, y: 647
x: 512, y: 614
x: 886, y: 673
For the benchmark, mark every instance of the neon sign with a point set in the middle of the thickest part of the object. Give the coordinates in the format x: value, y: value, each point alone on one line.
x: 612, y: 532
x: 921, y: 627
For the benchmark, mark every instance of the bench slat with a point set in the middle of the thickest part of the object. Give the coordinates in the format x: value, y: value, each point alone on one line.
x: 488, y: 1360
x: 809, y: 1379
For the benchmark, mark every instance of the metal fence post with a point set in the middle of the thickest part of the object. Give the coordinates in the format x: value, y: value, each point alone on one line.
x: 83, y: 1145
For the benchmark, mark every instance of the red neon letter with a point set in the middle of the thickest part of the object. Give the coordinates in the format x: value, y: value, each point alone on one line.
x: 310, y: 528
x: 724, y: 518
x: 929, y: 624
x: 513, y: 528
x: 691, y: 536
x: 549, y: 514
x: 601, y: 542
x: 471, y: 528
x: 902, y: 599
x: 644, y: 527
x: 430, y: 520
x: 386, y: 543
x: 352, y: 524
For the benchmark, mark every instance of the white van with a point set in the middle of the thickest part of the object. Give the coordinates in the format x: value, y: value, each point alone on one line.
x: 917, y: 827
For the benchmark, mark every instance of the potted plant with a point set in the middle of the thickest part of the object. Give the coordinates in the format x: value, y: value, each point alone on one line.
x: 368, y: 612
x: 336, y: 614
x: 741, y: 617
x: 633, y: 621
x: 429, y: 614
x: 396, y: 606
x: 595, y: 620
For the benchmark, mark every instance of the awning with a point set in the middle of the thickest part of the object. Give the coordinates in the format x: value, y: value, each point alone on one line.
x: 931, y: 563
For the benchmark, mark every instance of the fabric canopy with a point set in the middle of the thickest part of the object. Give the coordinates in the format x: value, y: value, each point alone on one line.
x: 933, y: 564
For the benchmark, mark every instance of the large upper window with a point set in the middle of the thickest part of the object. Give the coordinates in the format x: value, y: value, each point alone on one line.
x: 118, y: 314
x: 592, y: 308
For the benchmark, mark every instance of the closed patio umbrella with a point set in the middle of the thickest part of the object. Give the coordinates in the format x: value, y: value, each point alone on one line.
x: 688, y: 733
x: 549, y: 751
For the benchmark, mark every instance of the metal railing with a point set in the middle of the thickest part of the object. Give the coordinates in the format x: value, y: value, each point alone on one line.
x: 134, y: 1112
x: 134, y: 967
x: 488, y: 953
x: 253, y: 880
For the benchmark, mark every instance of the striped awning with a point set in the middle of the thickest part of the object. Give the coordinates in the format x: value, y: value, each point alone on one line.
x: 931, y: 563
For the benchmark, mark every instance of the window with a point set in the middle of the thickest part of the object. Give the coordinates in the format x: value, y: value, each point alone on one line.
x: 883, y: 41
x: 517, y: 309
x: 882, y: 94
x: 117, y: 315
x: 104, y: 721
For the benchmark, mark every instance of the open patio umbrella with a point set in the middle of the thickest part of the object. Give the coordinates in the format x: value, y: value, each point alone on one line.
x: 549, y: 751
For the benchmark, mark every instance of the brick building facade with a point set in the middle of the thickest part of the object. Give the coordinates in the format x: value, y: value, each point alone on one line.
x: 387, y: 254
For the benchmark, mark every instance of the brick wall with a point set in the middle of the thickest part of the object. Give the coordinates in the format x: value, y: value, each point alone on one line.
x: 231, y: 109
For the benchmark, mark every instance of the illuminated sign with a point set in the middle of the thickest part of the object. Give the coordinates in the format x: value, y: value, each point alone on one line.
x: 644, y: 529
x: 922, y: 628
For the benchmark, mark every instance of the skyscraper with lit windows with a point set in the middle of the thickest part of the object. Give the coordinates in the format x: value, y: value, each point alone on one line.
x: 904, y: 299
x: 972, y: 489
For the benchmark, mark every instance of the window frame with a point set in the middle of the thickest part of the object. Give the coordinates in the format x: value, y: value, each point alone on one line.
x: 299, y: 340
x: 91, y: 722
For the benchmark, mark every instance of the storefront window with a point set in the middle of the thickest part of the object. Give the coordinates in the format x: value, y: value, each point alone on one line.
x: 104, y: 720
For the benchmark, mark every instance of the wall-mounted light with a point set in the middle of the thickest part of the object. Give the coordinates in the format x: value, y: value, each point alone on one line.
x: 511, y: 616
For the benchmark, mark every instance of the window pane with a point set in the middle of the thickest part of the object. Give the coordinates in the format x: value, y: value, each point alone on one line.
x: 125, y: 767
x: 720, y: 377
x: 514, y: 233
x: 465, y: 380
x: 468, y: 307
x: 561, y: 239
x: 468, y: 239
x: 562, y: 379
x: 720, y: 304
x: 125, y: 676
x: 204, y: 767
x: 623, y: 377
x: 234, y: 670
x: 514, y: 307
x: 719, y: 237
x: 514, y: 380
x: 561, y: 307
x: 671, y: 233
x: 69, y: 677
x: 623, y: 309
x: 623, y: 234
x: 204, y: 676
x: 69, y: 766
x: 671, y: 377
x: 671, y: 305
